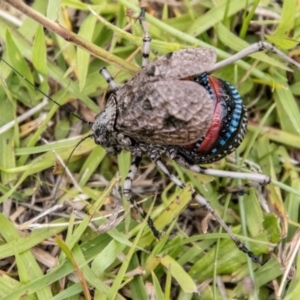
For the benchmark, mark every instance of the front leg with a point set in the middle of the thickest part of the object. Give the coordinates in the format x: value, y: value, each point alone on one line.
x: 128, y: 193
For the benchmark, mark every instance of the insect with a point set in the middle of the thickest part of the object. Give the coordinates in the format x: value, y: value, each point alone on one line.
x: 174, y: 107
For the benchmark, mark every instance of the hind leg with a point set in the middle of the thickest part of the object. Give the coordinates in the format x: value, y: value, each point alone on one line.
x: 155, y: 156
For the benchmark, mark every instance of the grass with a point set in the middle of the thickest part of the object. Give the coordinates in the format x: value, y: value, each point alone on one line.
x: 77, y: 246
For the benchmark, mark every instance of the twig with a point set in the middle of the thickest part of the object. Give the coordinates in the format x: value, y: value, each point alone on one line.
x: 72, y: 37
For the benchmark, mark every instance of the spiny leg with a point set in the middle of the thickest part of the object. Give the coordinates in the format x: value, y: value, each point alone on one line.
x: 128, y: 194
x: 256, y: 47
x: 256, y: 177
x: 204, y: 204
x: 109, y: 79
x: 146, y: 38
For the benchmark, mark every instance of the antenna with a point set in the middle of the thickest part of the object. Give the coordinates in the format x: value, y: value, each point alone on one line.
x: 67, y: 110
x: 65, y: 168
x: 48, y: 97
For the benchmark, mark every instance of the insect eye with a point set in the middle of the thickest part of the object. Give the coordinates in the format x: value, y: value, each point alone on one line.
x: 97, y: 132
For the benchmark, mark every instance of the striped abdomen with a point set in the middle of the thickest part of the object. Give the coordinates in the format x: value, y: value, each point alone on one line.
x: 228, y: 126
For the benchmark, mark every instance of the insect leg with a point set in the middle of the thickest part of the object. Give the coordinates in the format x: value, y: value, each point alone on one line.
x: 256, y: 177
x: 256, y: 47
x: 204, y: 204
x: 109, y: 79
x: 146, y: 38
x: 127, y: 193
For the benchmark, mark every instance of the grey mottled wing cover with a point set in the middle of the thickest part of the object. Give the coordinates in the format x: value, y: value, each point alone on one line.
x: 176, y: 65
x: 172, y: 112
